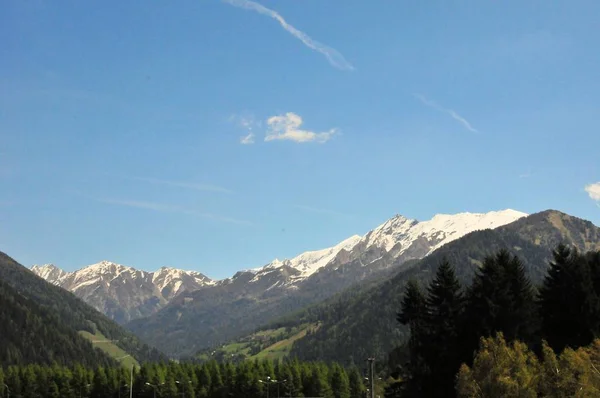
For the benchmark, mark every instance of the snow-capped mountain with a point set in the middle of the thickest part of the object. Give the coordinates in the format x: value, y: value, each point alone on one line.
x: 253, y: 297
x: 398, y: 237
x: 123, y: 293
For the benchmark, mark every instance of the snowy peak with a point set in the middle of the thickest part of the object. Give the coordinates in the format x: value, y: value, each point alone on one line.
x: 172, y: 281
x: 309, y: 262
x: 123, y: 292
x: 399, y: 233
x: 49, y: 272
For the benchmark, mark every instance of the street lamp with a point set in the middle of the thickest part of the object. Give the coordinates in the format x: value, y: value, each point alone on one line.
x: 154, y: 387
x: 179, y: 382
x: 272, y: 381
x: 267, y: 383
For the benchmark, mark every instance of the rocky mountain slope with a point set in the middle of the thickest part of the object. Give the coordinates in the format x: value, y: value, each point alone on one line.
x: 213, y: 314
x: 123, y: 293
x: 42, y: 323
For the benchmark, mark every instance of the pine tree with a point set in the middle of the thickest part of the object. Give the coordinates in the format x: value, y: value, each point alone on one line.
x: 357, y: 387
x: 500, y: 299
x: 319, y: 384
x: 414, y: 314
x: 100, y: 388
x: 569, y: 305
x: 340, y: 384
x: 444, y: 310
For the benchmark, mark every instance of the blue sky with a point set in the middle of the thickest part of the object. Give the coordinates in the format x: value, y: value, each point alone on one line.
x: 218, y: 135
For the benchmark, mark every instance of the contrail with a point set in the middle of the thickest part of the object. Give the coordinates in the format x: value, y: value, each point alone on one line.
x: 333, y: 56
x: 450, y: 112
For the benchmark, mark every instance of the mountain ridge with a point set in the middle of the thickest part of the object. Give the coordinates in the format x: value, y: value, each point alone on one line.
x: 255, y: 296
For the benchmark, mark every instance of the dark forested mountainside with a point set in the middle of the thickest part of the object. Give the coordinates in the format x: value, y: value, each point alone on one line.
x: 360, y: 322
x: 32, y: 334
x: 60, y: 308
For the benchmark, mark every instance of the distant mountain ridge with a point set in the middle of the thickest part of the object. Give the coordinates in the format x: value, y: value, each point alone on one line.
x: 202, y: 318
x: 123, y: 293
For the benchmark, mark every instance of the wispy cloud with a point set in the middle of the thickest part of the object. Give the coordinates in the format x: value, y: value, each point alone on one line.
x: 311, y: 209
x: 165, y: 208
x: 248, y: 123
x: 287, y: 127
x: 183, y: 184
x: 334, y: 57
x: 526, y: 175
x: 593, y: 191
x: 453, y: 114
x: 247, y: 139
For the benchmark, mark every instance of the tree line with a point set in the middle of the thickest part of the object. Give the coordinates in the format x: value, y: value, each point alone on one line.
x: 447, y: 320
x: 252, y: 379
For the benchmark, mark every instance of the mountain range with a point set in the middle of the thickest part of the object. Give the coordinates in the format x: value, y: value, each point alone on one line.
x: 123, y: 293
x: 214, y: 314
x: 342, y: 291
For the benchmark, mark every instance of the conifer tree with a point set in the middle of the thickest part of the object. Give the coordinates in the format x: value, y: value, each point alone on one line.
x: 444, y: 310
x: 414, y: 314
x: 357, y: 387
x: 569, y: 305
x: 340, y: 384
x: 500, y: 299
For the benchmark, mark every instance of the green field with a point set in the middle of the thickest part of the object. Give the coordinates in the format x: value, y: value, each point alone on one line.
x: 264, y: 344
x: 100, y: 341
x: 282, y: 348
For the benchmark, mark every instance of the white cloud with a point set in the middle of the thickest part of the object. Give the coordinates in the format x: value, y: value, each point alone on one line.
x: 159, y: 207
x: 247, y: 139
x: 334, y: 57
x: 287, y: 127
x: 594, y: 191
x: 184, y: 184
x: 450, y: 112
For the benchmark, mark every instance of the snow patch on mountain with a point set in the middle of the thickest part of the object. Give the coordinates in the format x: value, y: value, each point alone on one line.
x: 400, y: 232
x: 49, y: 272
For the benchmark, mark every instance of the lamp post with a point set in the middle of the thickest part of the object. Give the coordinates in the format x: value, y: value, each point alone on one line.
x: 267, y: 383
x: 179, y: 382
x: 154, y: 387
x: 272, y: 381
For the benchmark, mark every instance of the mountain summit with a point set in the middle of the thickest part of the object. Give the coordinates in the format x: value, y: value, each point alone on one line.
x: 123, y: 293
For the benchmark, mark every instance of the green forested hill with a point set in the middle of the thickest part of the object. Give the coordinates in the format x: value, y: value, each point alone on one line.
x: 40, y: 319
x: 32, y: 334
x: 361, y: 321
